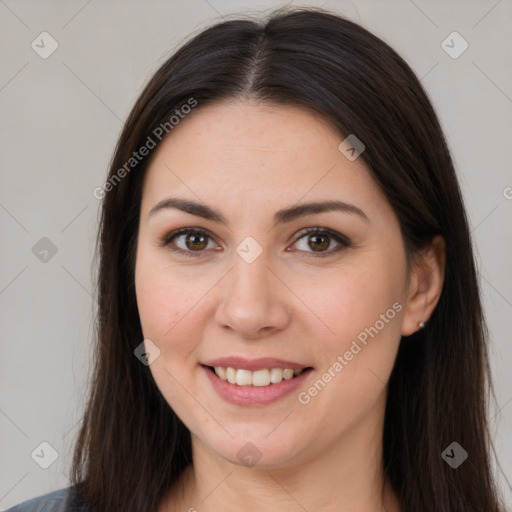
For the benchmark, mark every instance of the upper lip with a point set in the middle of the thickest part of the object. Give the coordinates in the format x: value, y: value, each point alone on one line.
x: 254, y: 364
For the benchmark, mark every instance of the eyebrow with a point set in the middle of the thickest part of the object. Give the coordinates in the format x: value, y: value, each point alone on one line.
x: 281, y: 216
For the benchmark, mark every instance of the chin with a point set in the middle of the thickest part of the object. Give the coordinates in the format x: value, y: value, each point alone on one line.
x: 258, y: 451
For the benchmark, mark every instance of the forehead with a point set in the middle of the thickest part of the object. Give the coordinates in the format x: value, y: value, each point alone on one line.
x: 256, y: 152
x: 231, y: 131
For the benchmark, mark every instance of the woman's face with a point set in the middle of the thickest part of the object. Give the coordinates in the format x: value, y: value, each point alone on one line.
x: 257, y: 293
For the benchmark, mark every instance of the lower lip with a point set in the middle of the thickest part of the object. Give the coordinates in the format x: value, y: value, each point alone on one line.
x: 254, y: 395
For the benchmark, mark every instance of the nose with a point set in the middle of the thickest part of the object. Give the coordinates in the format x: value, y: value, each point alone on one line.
x: 253, y: 300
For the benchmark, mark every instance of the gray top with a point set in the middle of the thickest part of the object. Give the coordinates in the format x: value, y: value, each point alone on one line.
x: 61, y: 500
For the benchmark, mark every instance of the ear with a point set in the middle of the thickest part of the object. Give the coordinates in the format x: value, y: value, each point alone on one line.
x: 425, y: 285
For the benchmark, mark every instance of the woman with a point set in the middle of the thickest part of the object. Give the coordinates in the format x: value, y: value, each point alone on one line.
x: 289, y: 315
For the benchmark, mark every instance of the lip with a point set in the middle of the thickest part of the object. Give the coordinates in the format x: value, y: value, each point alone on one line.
x: 261, y: 363
x: 255, y: 395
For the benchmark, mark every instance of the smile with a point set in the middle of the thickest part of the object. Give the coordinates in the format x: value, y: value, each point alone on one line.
x: 264, y: 377
x: 256, y: 382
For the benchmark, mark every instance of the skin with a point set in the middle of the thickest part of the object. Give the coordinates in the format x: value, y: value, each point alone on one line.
x: 248, y: 160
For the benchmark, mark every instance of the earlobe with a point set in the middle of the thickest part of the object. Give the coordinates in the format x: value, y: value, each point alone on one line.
x: 425, y: 287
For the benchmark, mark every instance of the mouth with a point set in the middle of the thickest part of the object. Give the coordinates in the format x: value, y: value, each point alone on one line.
x: 254, y: 382
x: 256, y: 378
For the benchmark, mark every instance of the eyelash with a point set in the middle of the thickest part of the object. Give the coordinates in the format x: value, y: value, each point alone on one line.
x: 342, y: 240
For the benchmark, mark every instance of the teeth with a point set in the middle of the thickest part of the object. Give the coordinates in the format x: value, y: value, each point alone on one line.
x: 288, y: 374
x: 221, y: 372
x: 243, y: 377
x: 230, y: 375
x: 260, y: 378
x: 257, y: 378
x: 276, y: 375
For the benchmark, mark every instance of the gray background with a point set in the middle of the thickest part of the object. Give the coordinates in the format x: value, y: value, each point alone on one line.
x: 60, y: 118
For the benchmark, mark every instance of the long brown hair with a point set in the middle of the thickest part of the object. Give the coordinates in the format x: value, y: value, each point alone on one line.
x: 131, y: 446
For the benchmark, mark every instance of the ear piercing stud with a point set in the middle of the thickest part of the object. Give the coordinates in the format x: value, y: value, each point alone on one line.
x: 422, y: 325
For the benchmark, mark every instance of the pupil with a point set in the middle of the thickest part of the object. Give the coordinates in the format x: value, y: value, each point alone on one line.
x: 195, y: 242
x: 321, y: 246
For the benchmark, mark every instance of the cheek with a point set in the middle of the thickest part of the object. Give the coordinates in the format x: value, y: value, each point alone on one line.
x: 165, y: 304
x: 361, y: 307
x: 166, y: 310
x: 353, y: 300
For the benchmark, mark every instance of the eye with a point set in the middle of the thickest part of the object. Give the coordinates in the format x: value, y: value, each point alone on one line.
x: 319, y: 240
x: 193, y: 241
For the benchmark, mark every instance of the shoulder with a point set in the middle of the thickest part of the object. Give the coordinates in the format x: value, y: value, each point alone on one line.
x: 62, y: 500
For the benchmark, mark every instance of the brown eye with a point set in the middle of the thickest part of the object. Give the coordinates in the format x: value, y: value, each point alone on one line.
x: 319, y: 240
x: 188, y: 241
x: 196, y: 241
